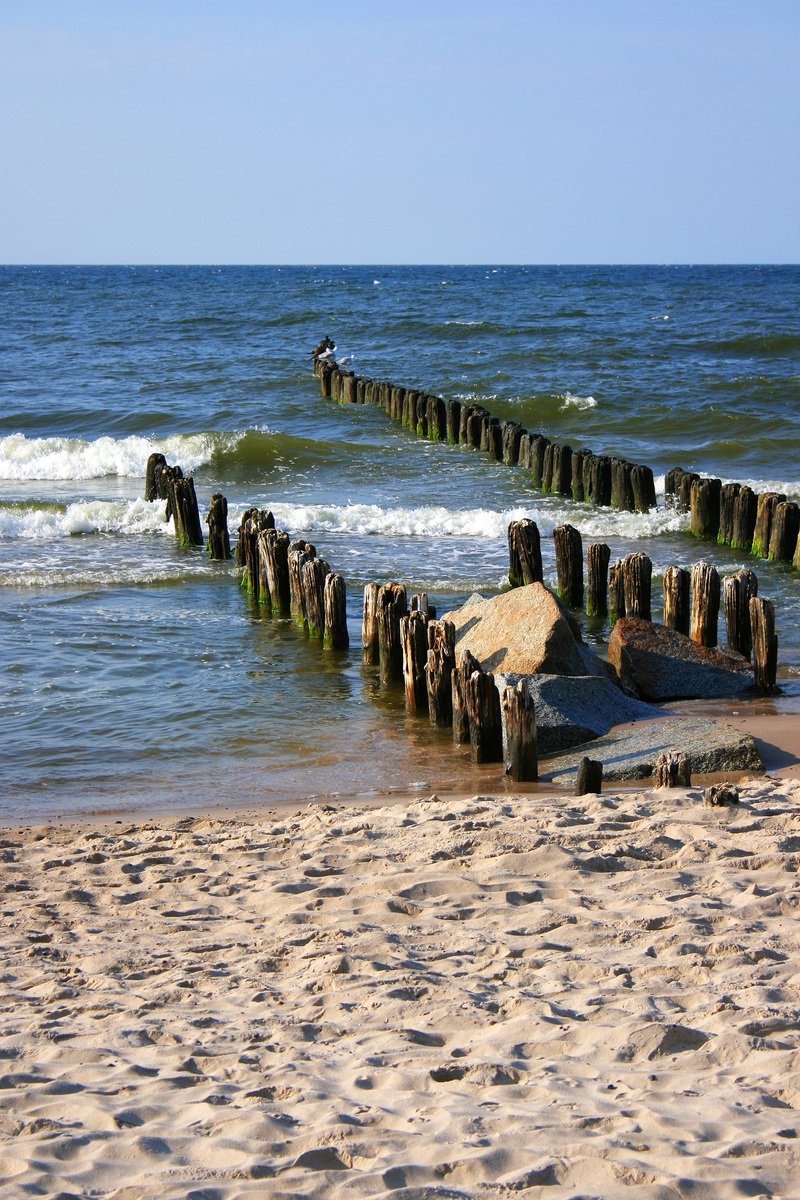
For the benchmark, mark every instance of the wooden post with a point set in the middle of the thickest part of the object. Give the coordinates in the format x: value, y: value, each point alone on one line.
x: 438, y: 670
x: 524, y: 453
x: 621, y: 485
x: 312, y: 577
x: 644, y: 488
x: 727, y: 510
x: 737, y: 591
x: 391, y: 606
x: 519, y: 716
x: 637, y: 574
x: 677, y: 599
x: 539, y: 446
x: 437, y: 419
x: 744, y: 519
x: 616, y: 591
x: 705, y: 604
x: 453, y: 421
x: 299, y: 554
x: 561, y: 482
x: 182, y: 507
x: 524, y: 553
x: 459, y: 679
x: 785, y: 528
x: 576, y: 483
x: 155, y: 464
x: 599, y: 481
x: 766, y: 504
x: 704, y: 506
x: 370, y: 654
x: 335, y: 635
x: 511, y: 435
x: 569, y: 565
x: 219, y: 542
x: 590, y: 777
x: 672, y: 771
x: 765, y: 644
x: 485, y: 718
x: 273, y: 548
x: 598, y: 555
x: 414, y: 645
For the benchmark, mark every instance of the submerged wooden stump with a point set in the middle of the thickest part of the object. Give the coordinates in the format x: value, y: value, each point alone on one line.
x: 737, y: 592
x: 439, y: 667
x: 519, y: 716
x: 414, y: 644
x: 744, y: 519
x: 597, y: 559
x: 766, y: 504
x: 273, y: 548
x: 312, y: 577
x: 152, y: 490
x: 765, y: 644
x: 453, y: 421
x: 705, y: 604
x: 590, y: 777
x: 672, y: 771
x: 485, y: 718
x: 300, y: 552
x: 391, y: 606
x: 637, y: 573
x: 677, y: 600
x: 370, y: 653
x: 465, y: 667
x: 569, y: 565
x: 335, y: 636
x: 704, y: 507
x: 219, y: 541
x: 524, y: 553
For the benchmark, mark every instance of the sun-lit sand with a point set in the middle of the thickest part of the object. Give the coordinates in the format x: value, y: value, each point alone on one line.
x: 539, y: 995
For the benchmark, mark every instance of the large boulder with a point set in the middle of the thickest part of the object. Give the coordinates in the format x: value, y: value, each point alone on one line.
x: 659, y: 664
x: 572, y: 709
x: 524, y: 631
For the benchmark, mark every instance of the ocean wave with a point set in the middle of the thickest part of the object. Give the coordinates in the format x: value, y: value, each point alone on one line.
x: 767, y: 344
x: 569, y: 400
x: 65, y: 458
x: 37, y: 522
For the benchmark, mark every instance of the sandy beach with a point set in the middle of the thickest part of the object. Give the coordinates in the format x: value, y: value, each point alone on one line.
x: 441, y: 997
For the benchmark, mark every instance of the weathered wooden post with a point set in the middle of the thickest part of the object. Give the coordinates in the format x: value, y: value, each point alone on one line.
x: 766, y: 504
x: 599, y: 491
x: 547, y: 466
x: 579, y: 457
x: 273, y: 550
x: 538, y: 453
x: 561, y: 482
x: 598, y: 555
x: 219, y: 542
x: 704, y: 507
x: 465, y: 667
x: 370, y: 654
x: 438, y: 671
x: 485, y: 718
x: 672, y: 771
x: 677, y: 600
x: 335, y: 635
x: 621, y: 485
x: 519, y: 716
x: 705, y: 604
x: 254, y: 522
x: 524, y: 553
x: 616, y: 591
x: 312, y: 577
x: 453, y: 421
x: 737, y: 591
x: 437, y: 419
x: 644, y: 488
x: 727, y: 512
x: 182, y: 507
x: 511, y: 435
x: 569, y: 565
x: 785, y: 528
x: 744, y: 519
x: 637, y: 574
x: 590, y: 777
x: 300, y: 552
x: 765, y: 644
x: 155, y: 464
x: 414, y: 646
x: 391, y: 606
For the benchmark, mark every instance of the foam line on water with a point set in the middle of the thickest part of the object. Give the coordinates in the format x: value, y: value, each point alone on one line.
x: 64, y: 458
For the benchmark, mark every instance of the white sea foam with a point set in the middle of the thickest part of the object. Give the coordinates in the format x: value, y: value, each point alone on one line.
x: 52, y: 458
x: 30, y: 523
x: 582, y: 403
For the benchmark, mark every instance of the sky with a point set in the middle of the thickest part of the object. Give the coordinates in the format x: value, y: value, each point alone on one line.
x: 418, y: 131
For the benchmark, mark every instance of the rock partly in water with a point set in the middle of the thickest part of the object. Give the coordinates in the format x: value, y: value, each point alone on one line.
x: 631, y: 753
x: 524, y: 631
x: 572, y: 709
x: 659, y: 664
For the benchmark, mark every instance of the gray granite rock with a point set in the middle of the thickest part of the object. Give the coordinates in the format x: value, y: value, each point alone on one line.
x: 631, y: 753
x: 571, y: 709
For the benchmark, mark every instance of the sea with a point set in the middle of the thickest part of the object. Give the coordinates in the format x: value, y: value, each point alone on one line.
x: 140, y: 678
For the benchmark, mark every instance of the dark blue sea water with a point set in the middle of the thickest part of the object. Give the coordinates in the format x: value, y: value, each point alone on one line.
x: 138, y: 675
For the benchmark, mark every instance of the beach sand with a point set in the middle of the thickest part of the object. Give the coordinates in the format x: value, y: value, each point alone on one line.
x: 442, y: 997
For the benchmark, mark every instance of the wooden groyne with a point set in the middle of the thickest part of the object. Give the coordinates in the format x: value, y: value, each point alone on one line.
x: 766, y: 525
x: 164, y: 482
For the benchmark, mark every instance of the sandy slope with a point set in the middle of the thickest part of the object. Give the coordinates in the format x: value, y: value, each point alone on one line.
x: 476, y: 997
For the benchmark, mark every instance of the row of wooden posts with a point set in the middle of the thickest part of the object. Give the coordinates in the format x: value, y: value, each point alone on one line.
x: 763, y: 524
x: 766, y: 525
x: 555, y: 468
x: 691, y: 597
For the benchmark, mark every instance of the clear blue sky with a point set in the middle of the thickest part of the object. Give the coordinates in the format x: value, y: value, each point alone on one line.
x: 447, y: 131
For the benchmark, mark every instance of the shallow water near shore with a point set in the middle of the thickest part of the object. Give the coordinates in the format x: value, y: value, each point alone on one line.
x: 139, y: 675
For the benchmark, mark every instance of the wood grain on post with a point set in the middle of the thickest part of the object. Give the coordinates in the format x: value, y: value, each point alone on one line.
x: 414, y: 644
x: 672, y: 771
x: 335, y: 636
x: 677, y: 600
x: 737, y: 592
x: 569, y: 565
x: 524, y: 553
x: 637, y: 574
x: 312, y: 577
x: 219, y: 541
x: 511, y: 433
x: 370, y: 654
x: 155, y: 464
x: 538, y: 454
x: 391, y: 607
x: 644, y: 488
x: 598, y: 555
x: 766, y: 504
x: 765, y: 644
x: 704, y: 507
x: 744, y: 519
x: 453, y: 421
x: 273, y: 548
x: 705, y: 604
x: 466, y: 666
x: 616, y: 591
x: 438, y: 671
x: 785, y: 528
x: 300, y: 552
x: 727, y: 512
x: 519, y: 716
x: 590, y: 777
x: 485, y: 718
